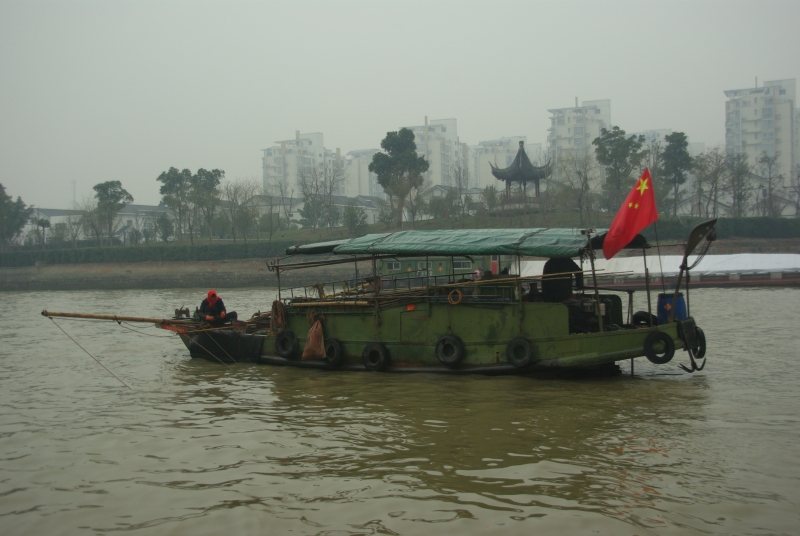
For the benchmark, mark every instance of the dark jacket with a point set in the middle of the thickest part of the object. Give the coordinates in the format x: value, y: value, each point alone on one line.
x: 557, y: 289
x: 213, y: 310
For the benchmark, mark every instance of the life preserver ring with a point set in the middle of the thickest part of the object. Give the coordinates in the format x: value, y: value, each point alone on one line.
x: 519, y: 352
x: 375, y: 357
x: 286, y: 344
x: 700, y: 351
x: 455, y: 297
x: 334, y: 354
x: 450, y: 350
x: 662, y: 356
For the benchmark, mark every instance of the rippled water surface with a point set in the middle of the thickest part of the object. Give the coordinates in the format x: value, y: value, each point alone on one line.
x: 198, y: 448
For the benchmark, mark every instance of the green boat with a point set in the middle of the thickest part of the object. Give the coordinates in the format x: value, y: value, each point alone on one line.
x: 409, y: 317
x: 424, y: 320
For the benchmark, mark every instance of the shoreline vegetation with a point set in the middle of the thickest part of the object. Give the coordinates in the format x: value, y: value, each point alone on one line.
x: 668, y: 230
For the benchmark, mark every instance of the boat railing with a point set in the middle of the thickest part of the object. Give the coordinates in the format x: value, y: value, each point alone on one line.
x: 412, y: 285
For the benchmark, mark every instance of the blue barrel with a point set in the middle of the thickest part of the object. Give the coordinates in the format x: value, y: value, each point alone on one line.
x: 665, y: 304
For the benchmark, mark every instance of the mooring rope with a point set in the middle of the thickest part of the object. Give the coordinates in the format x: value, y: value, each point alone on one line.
x: 122, y: 325
x: 90, y: 355
x: 203, y: 348
x: 223, y: 349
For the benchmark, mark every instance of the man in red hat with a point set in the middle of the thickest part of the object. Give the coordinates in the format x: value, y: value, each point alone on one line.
x: 212, y: 310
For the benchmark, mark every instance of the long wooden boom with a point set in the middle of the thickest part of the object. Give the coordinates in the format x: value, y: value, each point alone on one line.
x: 118, y: 318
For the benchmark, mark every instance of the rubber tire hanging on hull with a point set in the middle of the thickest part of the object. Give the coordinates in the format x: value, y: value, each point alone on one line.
x: 650, y: 351
x: 450, y: 350
x: 334, y: 354
x: 519, y: 352
x: 375, y: 357
x: 700, y: 351
x: 286, y: 344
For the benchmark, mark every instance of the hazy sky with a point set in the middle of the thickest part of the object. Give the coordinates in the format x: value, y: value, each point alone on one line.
x: 92, y: 91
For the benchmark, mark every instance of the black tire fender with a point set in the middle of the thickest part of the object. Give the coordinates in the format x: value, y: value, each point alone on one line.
x: 650, y: 351
x: 375, y: 357
x: 520, y: 352
x: 286, y: 344
x: 334, y: 353
x: 450, y: 350
x: 700, y: 351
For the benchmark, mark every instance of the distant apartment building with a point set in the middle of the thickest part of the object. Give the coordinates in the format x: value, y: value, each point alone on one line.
x: 286, y: 161
x: 572, y: 130
x: 360, y: 180
x: 438, y: 142
x: 500, y: 153
x: 762, y: 120
x: 658, y: 135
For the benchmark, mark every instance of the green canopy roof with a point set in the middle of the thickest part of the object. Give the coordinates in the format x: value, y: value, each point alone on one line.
x: 540, y: 242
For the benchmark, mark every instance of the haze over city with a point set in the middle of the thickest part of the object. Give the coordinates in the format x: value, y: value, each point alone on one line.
x: 96, y: 91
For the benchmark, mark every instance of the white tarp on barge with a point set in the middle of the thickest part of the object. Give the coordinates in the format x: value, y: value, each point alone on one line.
x: 740, y: 263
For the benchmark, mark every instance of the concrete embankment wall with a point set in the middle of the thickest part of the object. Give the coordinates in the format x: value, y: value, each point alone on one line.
x: 158, y: 275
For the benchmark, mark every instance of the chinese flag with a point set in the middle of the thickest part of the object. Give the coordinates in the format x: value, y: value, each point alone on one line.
x: 637, y: 212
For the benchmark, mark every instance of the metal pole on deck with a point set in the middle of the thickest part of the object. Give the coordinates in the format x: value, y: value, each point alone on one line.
x: 427, y: 274
x: 278, y: 271
x: 647, y: 286
x: 594, y: 278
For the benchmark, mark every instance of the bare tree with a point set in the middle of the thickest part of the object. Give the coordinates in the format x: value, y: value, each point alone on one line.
x: 490, y: 197
x: 312, y: 189
x: 794, y: 186
x: 74, y: 226
x: 205, y: 195
x: 238, y: 196
x: 709, y: 172
x: 333, y: 181
x: 415, y: 204
x: 738, y: 184
x: 287, y: 198
x: 771, y: 204
x: 572, y: 188
x: 653, y: 159
x: 272, y: 212
x: 90, y: 219
x: 460, y: 179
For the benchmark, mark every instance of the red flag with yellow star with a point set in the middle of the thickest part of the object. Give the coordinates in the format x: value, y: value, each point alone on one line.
x: 637, y: 212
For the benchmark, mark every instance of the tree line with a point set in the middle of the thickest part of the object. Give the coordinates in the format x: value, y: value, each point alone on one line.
x: 714, y: 183
x: 205, y: 205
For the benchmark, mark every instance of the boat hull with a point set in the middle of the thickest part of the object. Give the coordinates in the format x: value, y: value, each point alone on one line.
x: 225, y: 346
x: 410, y: 336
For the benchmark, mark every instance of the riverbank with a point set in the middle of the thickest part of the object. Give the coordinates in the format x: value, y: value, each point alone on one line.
x: 246, y: 272
x: 159, y: 275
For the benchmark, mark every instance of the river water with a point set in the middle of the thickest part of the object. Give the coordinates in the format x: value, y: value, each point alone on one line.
x: 199, y: 448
